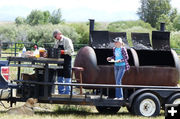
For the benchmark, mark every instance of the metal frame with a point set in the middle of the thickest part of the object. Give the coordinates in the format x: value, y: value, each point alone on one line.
x: 100, y: 100
x: 87, y: 99
x: 44, y: 64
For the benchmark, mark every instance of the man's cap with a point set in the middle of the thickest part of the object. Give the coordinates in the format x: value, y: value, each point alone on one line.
x: 118, y: 39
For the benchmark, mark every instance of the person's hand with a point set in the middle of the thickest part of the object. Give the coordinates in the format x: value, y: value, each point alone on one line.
x: 62, y: 52
x: 118, y: 61
x: 109, y: 58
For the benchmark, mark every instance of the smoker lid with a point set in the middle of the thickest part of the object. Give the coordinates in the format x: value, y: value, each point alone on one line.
x: 104, y: 39
x: 141, y: 41
x: 161, y: 40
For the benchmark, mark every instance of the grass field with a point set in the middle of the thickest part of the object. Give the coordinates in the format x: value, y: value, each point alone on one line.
x: 73, y: 112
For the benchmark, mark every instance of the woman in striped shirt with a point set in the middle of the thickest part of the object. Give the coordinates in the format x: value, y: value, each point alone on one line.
x: 120, y: 59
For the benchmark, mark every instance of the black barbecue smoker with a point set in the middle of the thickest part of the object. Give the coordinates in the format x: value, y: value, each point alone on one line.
x: 152, y: 64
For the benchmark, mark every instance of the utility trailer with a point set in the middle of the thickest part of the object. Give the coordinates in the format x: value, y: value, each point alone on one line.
x: 150, y: 83
x: 140, y: 100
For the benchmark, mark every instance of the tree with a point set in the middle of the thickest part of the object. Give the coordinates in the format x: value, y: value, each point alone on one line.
x: 176, y: 23
x: 20, y: 20
x: 56, y: 17
x: 82, y: 30
x: 166, y: 19
x: 46, y: 17
x: 151, y: 10
x: 173, y: 14
x: 38, y: 17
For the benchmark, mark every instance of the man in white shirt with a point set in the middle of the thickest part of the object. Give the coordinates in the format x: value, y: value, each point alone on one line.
x: 67, y: 50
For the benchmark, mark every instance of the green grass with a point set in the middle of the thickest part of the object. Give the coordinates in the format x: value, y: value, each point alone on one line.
x: 73, y: 112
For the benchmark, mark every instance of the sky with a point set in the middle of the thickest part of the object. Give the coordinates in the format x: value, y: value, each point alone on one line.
x: 76, y: 10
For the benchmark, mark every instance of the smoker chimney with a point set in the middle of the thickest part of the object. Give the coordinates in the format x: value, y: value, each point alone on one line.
x: 91, y: 28
x: 162, y: 26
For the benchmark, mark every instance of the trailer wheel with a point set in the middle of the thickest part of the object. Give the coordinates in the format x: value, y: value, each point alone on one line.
x: 107, y: 109
x: 175, y: 99
x: 146, y: 104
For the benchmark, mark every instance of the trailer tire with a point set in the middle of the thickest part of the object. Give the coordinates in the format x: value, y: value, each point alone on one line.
x: 146, y: 104
x: 107, y: 109
x: 174, y: 99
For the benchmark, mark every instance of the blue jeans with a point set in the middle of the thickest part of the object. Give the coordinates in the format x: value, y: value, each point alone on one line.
x: 64, y: 89
x: 61, y: 88
x: 67, y: 88
x: 119, y: 72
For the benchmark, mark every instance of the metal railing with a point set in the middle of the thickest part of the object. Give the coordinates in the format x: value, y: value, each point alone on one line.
x: 177, y: 51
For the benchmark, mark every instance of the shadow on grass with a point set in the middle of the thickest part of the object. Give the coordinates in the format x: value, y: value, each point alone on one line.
x: 80, y: 113
x: 3, y: 112
x: 84, y: 112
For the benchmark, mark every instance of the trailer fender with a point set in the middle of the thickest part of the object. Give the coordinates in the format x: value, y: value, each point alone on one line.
x: 133, y: 96
x: 173, y: 99
x: 136, y: 93
x: 161, y: 94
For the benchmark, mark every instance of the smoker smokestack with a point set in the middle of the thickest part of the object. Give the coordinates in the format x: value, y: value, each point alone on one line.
x: 91, y: 28
x: 162, y: 26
